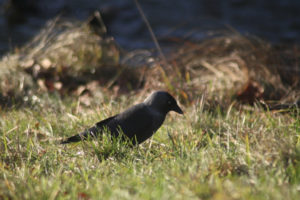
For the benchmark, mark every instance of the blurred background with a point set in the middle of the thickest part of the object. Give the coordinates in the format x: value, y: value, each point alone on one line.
x: 277, y: 21
x: 244, y: 50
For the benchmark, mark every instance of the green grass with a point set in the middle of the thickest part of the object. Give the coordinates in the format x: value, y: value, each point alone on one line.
x: 67, y: 79
x: 237, y: 154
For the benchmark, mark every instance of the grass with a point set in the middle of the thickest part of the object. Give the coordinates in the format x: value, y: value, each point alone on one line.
x: 70, y: 77
x: 235, y: 154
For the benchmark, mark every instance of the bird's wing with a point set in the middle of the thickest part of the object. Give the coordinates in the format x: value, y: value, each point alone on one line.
x: 138, y: 121
x: 97, y: 128
x: 105, y: 122
x: 91, y: 132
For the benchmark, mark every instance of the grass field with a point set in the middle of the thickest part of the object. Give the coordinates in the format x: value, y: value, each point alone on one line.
x: 239, y: 137
x: 231, y: 154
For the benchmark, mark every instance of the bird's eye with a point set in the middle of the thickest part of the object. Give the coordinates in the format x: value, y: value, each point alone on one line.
x: 169, y: 102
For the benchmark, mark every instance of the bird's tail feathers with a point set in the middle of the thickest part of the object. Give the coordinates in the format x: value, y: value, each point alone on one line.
x: 92, y: 132
x: 75, y: 138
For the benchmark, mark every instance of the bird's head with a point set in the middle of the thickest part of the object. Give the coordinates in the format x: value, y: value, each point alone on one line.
x: 163, y: 102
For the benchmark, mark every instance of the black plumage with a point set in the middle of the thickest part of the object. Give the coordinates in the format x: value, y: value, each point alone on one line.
x: 137, y: 123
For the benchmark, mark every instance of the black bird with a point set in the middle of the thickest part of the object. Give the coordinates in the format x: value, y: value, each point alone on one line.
x: 138, y: 122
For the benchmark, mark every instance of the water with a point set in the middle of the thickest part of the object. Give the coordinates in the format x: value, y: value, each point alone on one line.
x: 277, y: 21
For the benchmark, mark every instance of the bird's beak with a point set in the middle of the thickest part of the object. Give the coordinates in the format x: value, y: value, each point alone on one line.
x: 177, y: 109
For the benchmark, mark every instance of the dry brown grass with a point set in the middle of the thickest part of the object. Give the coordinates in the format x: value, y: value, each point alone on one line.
x: 235, y: 67
x: 69, y: 57
x: 72, y: 58
x: 214, y: 152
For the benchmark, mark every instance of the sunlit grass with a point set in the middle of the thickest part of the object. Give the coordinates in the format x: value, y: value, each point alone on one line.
x: 234, y: 154
x: 68, y: 78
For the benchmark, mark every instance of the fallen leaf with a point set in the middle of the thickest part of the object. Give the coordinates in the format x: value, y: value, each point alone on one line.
x: 250, y: 93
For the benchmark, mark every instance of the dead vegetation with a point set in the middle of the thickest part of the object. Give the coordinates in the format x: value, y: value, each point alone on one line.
x: 234, y: 68
x: 74, y: 58
x: 206, y: 154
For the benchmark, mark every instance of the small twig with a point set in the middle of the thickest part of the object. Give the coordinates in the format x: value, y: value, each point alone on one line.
x: 151, y: 32
x: 11, y: 130
x: 172, y: 139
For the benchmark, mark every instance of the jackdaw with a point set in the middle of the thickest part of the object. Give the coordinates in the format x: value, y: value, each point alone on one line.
x: 137, y: 123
